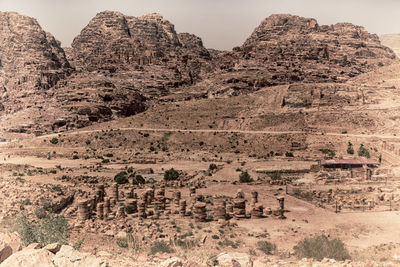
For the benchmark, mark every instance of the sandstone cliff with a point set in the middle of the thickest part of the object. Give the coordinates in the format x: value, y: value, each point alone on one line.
x: 287, y: 49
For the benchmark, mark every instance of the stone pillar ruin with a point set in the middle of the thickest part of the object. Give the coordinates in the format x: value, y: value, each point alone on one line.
x: 131, y: 205
x: 83, y: 210
x: 239, y: 208
x: 200, y: 213
x: 281, y: 201
x: 100, y: 211
x: 229, y: 209
x: 114, y: 194
x: 219, y: 209
x: 107, y: 207
x: 192, y: 191
x: 100, y: 193
x: 177, y: 198
x: 254, y: 198
x: 142, y: 209
x: 257, y: 211
x: 182, y: 207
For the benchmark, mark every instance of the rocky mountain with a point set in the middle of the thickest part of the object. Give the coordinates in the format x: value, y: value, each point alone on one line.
x: 289, y: 49
x: 120, y: 65
x: 31, y: 60
x: 145, y: 49
x: 392, y: 41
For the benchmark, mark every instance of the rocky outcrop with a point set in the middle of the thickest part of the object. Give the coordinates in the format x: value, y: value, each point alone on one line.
x: 63, y: 256
x: 146, y: 51
x: 30, y: 57
x: 288, y: 49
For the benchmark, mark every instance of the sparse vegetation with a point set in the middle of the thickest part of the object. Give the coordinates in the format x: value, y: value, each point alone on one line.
x: 138, y: 179
x: 54, y: 140
x: 321, y: 247
x: 160, y: 246
x: 363, y: 152
x: 350, y: 149
x: 50, y: 229
x: 266, y: 247
x: 171, y: 175
x: 121, y: 178
x: 245, y: 177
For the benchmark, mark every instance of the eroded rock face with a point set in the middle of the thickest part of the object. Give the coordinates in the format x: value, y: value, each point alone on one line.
x: 145, y: 50
x: 30, y: 57
x: 287, y: 49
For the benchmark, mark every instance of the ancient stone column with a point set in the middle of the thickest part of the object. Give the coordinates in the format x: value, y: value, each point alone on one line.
x: 177, y: 198
x: 200, y: 212
x: 254, y: 198
x: 100, y: 211
x: 281, y: 207
x: 239, y: 208
x: 192, y: 191
x: 229, y: 209
x: 131, y: 206
x: 182, y: 207
x: 142, y: 209
x: 219, y: 209
x: 83, y: 210
x: 114, y: 194
x: 257, y: 211
x: 107, y: 207
x: 100, y: 193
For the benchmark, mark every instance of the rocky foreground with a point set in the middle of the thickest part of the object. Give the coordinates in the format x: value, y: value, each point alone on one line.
x: 56, y: 255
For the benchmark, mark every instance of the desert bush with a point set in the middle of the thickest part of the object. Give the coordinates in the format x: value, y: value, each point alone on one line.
x: 245, y: 177
x: 289, y: 154
x: 266, y: 247
x: 350, y: 149
x: 50, y: 229
x: 321, y: 247
x: 160, y: 246
x: 212, y: 167
x: 171, y: 175
x: 138, y: 179
x: 121, y: 178
x: 363, y: 152
x: 54, y: 140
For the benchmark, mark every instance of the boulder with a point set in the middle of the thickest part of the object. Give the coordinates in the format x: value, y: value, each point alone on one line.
x: 234, y: 259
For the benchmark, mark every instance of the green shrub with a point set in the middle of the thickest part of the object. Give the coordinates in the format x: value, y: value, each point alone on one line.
x: 138, y: 179
x: 363, y: 152
x: 105, y: 161
x: 54, y: 140
x: 171, y: 175
x: 121, y: 178
x: 266, y: 247
x: 75, y: 157
x: 321, y: 247
x: 245, y: 177
x: 350, y: 149
x: 289, y: 154
x: 212, y: 167
x: 160, y: 246
x: 50, y: 229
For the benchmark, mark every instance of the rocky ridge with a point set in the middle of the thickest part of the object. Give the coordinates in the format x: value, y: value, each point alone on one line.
x: 120, y: 65
x: 289, y: 49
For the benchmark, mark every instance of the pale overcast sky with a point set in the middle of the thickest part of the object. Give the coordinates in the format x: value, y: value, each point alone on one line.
x: 222, y: 24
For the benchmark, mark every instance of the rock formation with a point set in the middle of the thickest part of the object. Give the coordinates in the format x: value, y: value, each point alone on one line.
x: 287, y: 49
